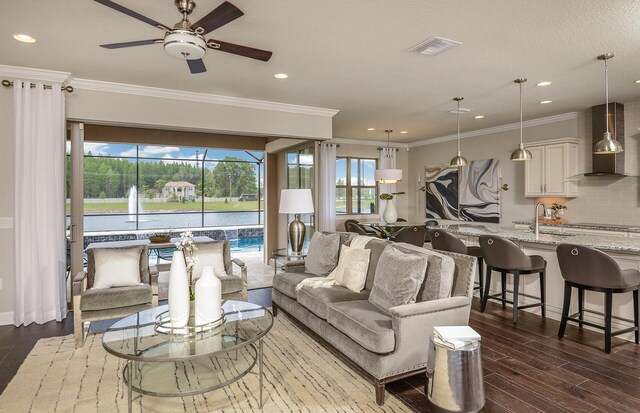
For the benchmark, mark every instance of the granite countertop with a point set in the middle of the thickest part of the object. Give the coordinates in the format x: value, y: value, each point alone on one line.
x: 602, y: 227
x: 601, y: 242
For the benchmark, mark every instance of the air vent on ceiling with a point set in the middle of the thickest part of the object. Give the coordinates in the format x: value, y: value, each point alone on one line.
x: 461, y: 110
x: 434, y: 46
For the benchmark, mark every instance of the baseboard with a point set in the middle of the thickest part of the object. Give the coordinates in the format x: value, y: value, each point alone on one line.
x: 6, y: 318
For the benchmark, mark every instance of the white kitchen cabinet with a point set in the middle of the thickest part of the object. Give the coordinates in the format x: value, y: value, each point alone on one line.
x: 552, y: 163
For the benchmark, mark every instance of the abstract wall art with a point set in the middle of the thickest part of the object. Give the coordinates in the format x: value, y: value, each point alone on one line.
x: 471, y: 193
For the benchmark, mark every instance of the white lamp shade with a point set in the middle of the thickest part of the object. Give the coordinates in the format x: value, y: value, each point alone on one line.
x: 388, y: 176
x: 296, y: 201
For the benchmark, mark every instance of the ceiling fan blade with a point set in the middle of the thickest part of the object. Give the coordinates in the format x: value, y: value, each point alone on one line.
x: 196, y: 66
x: 245, y: 51
x: 130, y: 44
x: 129, y: 12
x: 221, y: 15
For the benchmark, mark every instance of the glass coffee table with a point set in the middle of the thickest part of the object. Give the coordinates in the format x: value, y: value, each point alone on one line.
x: 172, y: 365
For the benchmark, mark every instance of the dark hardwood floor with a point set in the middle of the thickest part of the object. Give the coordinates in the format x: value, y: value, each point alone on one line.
x: 526, y: 367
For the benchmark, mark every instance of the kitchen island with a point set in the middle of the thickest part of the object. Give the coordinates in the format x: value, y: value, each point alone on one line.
x: 625, y: 251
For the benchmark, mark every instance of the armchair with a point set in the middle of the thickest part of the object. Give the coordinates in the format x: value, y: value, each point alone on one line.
x: 94, y: 304
x: 233, y: 287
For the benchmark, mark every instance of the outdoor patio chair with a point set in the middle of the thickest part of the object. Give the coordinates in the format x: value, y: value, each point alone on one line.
x: 94, y: 304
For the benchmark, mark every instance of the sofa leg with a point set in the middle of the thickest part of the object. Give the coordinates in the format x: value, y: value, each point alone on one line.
x: 380, y: 393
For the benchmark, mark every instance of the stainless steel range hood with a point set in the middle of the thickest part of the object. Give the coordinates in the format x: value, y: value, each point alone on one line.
x: 607, y: 164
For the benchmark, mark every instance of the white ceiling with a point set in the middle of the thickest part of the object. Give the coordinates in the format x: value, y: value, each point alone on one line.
x: 352, y: 55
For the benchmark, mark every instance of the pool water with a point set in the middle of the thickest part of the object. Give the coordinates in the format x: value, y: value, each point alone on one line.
x: 251, y: 244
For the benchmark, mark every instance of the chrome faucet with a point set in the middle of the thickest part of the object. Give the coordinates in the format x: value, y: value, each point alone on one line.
x: 535, y: 217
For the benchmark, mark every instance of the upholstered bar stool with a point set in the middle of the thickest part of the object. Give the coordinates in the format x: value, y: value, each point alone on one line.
x: 586, y: 268
x: 504, y: 256
x: 446, y: 241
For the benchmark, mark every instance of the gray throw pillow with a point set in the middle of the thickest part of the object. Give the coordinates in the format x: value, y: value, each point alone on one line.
x: 440, y: 273
x: 322, y: 255
x: 398, y: 278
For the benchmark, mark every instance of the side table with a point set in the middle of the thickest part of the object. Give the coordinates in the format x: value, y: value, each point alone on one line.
x: 286, y: 254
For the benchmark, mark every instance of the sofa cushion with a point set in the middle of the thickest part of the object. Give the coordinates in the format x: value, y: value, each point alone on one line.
x: 376, y: 246
x: 438, y: 282
x: 398, y: 278
x: 286, y: 282
x: 322, y: 256
x: 316, y: 300
x: 95, y: 299
x: 364, y: 323
x: 230, y: 283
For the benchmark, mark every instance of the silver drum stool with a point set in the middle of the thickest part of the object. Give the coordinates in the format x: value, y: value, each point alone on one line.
x: 455, y: 381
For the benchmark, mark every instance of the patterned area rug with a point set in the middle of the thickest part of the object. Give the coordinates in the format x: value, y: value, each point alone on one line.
x: 300, y: 376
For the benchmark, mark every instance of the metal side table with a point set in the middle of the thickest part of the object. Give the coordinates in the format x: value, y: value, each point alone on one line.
x: 455, y: 381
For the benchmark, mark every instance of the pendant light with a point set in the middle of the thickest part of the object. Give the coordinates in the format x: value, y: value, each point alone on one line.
x: 607, y: 144
x: 521, y: 154
x: 458, y: 160
x: 388, y: 176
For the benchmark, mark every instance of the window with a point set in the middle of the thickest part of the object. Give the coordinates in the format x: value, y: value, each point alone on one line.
x: 356, y: 189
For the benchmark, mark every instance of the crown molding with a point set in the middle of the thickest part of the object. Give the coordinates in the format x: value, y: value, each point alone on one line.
x: 38, y: 75
x: 497, y: 129
x: 103, y: 86
x: 348, y: 141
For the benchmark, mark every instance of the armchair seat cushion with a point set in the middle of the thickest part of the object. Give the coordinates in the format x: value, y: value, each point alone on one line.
x: 286, y: 282
x: 230, y: 283
x: 106, y: 298
x: 316, y: 300
x: 364, y: 323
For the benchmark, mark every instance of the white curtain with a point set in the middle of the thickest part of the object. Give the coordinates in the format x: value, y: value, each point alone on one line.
x: 39, y: 134
x: 327, y: 190
x: 387, y: 160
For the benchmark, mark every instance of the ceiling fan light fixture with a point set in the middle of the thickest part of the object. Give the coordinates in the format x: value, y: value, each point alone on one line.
x: 185, y: 45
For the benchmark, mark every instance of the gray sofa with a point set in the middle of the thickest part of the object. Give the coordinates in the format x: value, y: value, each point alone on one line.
x: 382, y: 346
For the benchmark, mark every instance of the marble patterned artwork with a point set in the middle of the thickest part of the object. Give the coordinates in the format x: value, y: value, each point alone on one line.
x: 479, y: 199
x: 471, y: 194
x: 441, y: 186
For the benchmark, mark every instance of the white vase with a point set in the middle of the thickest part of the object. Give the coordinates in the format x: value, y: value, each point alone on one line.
x: 390, y: 215
x: 208, y: 297
x: 178, y: 291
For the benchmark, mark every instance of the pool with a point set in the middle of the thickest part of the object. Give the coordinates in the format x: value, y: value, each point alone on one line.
x: 242, y: 245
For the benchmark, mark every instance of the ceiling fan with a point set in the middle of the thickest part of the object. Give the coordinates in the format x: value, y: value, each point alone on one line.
x: 186, y: 40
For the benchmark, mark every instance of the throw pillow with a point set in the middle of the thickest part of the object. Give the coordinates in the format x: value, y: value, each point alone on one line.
x: 438, y: 282
x: 351, y: 271
x: 322, y: 255
x: 210, y: 254
x: 116, y: 267
x: 397, y: 279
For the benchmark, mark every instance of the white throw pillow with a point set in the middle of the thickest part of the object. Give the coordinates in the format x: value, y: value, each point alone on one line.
x: 351, y: 271
x: 210, y: 255
x: 116, y: 267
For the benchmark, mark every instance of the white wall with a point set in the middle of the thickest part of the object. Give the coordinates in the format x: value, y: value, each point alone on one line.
x: 497, y: 145
x: 6, y: 206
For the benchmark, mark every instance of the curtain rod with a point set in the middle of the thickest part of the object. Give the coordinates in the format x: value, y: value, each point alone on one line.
x: 8, y: 83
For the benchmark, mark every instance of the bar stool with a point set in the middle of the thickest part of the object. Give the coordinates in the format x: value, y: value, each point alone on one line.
x: 504, y: 256
x: 589, y: 269
x: 446, y: 241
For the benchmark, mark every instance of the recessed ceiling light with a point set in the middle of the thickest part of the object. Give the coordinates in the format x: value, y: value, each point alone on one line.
x: 403, y: 131
x: 544, y: 102
x: 371, y: 129
x: 543, y: 83
x: 281, y: 75
x: 479, y: 117
x: 638, y: 81
x: 25, y: 38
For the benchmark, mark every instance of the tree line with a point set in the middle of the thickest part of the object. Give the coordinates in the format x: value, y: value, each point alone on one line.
x: 113, y: 177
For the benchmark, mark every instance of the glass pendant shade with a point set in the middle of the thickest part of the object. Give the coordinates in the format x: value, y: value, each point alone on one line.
x: 521, y: 154
x: 388, y: 176
x: 607, y: 145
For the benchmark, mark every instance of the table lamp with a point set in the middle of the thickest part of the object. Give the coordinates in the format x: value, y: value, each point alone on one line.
x: 296, y: 202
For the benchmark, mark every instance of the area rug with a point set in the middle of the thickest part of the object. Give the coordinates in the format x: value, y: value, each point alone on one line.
x: 300, y: 376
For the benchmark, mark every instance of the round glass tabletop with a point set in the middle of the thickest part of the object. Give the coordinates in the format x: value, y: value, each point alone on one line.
x: 135, y: 337
x: 287, y: 253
